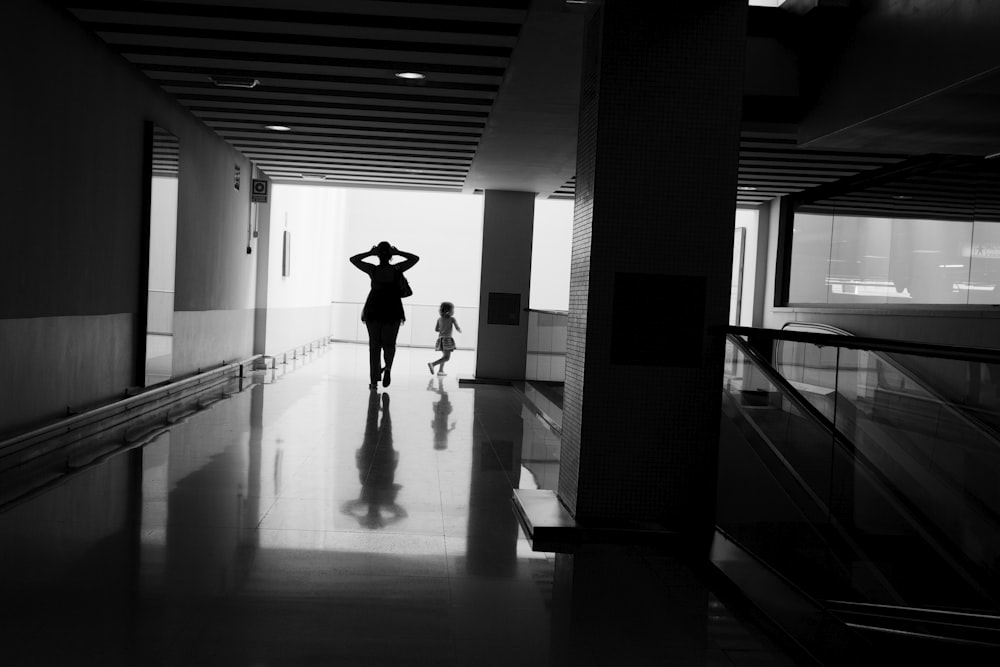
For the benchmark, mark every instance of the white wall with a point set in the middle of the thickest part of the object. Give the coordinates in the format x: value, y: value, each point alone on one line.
x: 299, y: 303
x: 747, y: 219
x: 551, y: 250
x: 444, y: 229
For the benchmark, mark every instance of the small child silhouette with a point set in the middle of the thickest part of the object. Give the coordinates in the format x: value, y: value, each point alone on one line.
x: 445, y: 343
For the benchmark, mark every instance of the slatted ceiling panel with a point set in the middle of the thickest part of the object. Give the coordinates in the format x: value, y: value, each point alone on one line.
x: 566, y: 191
x: 954, y: 188
x: 326, y: 70
x: 772, y: 166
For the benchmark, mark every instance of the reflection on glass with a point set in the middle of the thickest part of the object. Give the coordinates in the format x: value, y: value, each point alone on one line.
x: 984, y: 262
x: 927, y: 261
x: 376, y: 506
x: 937, y: 454
x: 164, y: 175
x: 442, y: 409
x: 810, y: 271
x: 859, y: 260
x: 841, y: 258
x: 868, y: 518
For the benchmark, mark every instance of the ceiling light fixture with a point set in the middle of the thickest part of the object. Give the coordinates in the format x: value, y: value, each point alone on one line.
x: 745, y: 188
x: 234, y: 81
x: 902, y: 197
x: 278, y: 128
x: 314, y: 177
x: 410, y: 75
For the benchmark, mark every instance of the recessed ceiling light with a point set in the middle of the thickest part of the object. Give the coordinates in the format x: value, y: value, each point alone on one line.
x: 902, y: 197
x: 278, y: 128
x: 234, y: 81
x: 410, y: 75
x: 745, y: 187
x: 314, y: 177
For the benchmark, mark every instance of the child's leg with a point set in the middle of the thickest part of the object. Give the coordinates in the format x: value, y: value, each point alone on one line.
x: 446, y: 357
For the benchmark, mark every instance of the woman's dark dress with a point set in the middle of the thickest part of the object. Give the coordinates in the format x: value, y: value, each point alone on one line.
x: 384, y: 304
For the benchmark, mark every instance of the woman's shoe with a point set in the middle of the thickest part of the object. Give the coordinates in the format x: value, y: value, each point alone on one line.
x: 441, y: 373
x: 386, y: 378
x: 430, y: 367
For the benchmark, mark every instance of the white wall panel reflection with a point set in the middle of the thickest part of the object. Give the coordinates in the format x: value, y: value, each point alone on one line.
x: 859, y: 260
x: 984, y: 263
x: 926, y: 260
x: 875, y: 260
x: 811, y: 240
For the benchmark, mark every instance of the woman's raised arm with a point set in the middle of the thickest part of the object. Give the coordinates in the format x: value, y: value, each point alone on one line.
x: 364, y: 266
x: 410, y: 258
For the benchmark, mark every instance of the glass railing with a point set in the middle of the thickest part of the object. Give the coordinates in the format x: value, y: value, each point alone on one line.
x: 547, y: 334
x: 841, y: 519
x: 943, y: 459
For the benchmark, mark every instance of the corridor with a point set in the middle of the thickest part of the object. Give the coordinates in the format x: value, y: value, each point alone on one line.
x: 308, y: 521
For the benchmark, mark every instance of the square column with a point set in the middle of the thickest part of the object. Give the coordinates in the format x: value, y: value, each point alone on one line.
x: 657, y: 166
x: 505, y: 285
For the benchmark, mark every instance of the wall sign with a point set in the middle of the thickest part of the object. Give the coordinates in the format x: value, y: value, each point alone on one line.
x: 236, y: 177
x: 258, y: 191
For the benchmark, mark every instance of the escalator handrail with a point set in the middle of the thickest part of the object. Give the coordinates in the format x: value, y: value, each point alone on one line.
x: 790, y: 392
x: 954, y: 617
x: 970, y: 421
x: 803, y: 487
x: 954, y: 352
x: 962, y: 414
x: 911, y: 513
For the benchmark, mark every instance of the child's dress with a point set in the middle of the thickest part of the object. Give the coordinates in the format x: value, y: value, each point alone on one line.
x: 445, y: 343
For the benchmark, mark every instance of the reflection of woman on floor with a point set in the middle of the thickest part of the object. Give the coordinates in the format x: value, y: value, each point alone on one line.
x: 376, y: 459
x: 441, y: 411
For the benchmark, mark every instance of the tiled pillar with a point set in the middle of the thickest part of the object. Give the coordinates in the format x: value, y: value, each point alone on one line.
x: 508, y: 221
x: 652, y: 244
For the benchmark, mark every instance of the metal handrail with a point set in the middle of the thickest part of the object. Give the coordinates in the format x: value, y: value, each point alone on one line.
x: 955, y: 352
x: 912, y: 513
x: 122, y: 405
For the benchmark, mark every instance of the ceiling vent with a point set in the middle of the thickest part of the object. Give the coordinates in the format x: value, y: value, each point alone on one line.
x: 234, y: 81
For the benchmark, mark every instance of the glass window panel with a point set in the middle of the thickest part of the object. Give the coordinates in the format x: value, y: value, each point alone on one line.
x: 810, y: 258
x: 926, y: 263
x: 984, y: 259
x: 859, y: 260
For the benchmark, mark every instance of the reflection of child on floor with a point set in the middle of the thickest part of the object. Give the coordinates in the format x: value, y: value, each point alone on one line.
x: 445, y: 343
x: 442, y: 409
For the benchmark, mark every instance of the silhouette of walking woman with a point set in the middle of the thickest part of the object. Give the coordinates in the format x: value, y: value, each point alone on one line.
x: 383, y: 311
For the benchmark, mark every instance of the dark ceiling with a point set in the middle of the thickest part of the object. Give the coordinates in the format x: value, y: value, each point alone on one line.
x: 496, y: 109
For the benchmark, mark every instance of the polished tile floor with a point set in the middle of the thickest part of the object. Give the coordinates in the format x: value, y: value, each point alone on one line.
x: 308, y: 521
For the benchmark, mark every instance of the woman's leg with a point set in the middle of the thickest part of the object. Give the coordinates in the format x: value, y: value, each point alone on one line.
x: 389, y: 333
x: 374, y: 351
x: 446, y: 357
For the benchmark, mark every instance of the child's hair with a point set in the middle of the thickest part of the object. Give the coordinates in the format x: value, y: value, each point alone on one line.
x: 447, y: 308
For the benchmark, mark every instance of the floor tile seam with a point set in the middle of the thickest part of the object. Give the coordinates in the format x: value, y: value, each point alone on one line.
x: 447, y: 553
